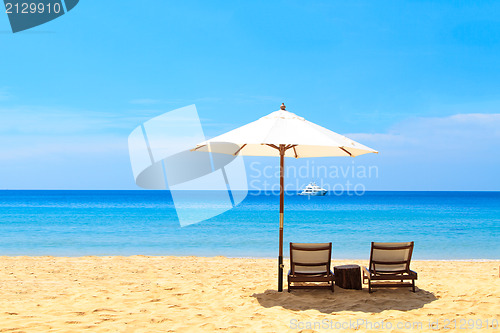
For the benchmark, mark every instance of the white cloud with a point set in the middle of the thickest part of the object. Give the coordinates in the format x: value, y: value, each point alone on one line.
x: 31, y: 149
x: 464, y: 132
x: 35, y: 120
x: 453, y: 152
x: 29, y: 134
x: 457, y: 152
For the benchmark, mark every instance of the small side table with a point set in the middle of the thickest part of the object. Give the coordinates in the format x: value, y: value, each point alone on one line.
x: 348, y: 276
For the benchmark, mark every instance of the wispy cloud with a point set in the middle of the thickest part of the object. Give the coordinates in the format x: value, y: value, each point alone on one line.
x: 56, y: 121
x: 31, y: 149
x: 30, y: 132
x: 34, y: 131
x: 464, y: 133
x: 457, y: 152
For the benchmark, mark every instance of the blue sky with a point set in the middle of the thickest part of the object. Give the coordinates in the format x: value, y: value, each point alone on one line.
x: 417, y: 80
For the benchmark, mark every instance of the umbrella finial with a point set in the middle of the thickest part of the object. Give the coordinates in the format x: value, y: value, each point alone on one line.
x: 283, y: 107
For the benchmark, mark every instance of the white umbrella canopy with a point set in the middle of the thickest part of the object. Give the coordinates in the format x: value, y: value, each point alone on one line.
x: 282, y: 127
x: 283, y: 134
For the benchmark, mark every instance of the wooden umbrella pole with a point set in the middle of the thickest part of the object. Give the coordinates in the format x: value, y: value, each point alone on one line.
x: 282, y: 202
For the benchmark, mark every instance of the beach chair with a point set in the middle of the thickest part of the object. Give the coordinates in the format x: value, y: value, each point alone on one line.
x: 390, y: 266
x: 310, y: 262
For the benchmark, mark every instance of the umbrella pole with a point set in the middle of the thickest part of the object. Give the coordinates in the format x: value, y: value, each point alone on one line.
x: 282, y: 202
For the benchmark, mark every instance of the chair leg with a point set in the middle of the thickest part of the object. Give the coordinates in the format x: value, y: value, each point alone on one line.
x: 413, y: 285
x: 288, y: 286
x: 369, y: 286
x: 333, y: 287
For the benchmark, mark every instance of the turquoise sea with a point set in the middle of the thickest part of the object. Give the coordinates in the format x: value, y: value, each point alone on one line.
x: 443, y: 225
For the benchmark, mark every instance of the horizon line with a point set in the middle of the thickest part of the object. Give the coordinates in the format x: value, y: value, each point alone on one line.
x: 265, y: 191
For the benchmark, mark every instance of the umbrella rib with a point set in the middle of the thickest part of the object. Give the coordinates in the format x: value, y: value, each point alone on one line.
x: 198, y: 147
x: 346, y: 151
x: 295, y: 152
x: 273, y: 146
x: 239, y: 149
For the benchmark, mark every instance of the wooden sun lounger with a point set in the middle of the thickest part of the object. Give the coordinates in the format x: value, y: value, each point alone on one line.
x: 390, y: 266
x: 310, y: 262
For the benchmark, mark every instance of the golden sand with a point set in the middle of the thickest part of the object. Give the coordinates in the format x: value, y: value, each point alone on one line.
x: 197, y: 294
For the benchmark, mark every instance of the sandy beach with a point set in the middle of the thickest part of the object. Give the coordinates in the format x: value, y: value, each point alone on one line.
x: 203, y: 294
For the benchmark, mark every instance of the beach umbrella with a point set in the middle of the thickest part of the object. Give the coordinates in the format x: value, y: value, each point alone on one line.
x: 283, y: 134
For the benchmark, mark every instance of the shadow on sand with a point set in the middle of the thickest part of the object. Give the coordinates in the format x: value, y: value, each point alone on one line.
x: 346, y: 300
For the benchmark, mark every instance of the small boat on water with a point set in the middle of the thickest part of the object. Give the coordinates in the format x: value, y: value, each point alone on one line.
x: 313, y: 189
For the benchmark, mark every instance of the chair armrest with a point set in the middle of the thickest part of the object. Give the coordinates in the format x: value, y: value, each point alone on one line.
x: 366, y: 272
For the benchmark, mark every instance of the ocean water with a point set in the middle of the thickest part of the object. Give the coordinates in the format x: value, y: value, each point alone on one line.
x: 443, y: 225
